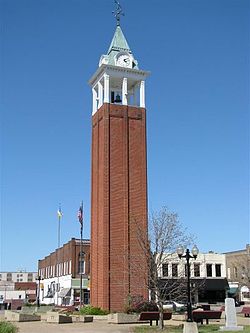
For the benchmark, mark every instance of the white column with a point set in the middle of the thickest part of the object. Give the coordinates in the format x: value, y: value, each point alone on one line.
x: 134, y: 95
x: 94, y: 101
x: 213, y: 270
x: 142, y: 94
x: 124, y: 91
x: 106, y: 88
x: 100, y: 94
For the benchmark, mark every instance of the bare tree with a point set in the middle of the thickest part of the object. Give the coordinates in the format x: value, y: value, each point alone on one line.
x: 165, y: 234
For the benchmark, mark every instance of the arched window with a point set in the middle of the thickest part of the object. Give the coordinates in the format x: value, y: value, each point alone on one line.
x: 81, y: 263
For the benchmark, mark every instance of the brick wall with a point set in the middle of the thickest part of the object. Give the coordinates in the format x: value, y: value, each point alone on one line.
x: 119, y: 205
x: 67, y: 257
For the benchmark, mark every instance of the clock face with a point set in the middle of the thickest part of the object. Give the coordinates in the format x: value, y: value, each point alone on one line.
x: 124, y: 60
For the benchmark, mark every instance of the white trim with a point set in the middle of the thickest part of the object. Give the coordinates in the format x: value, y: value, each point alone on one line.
x: 106, y: 88
x: 124, y: 91
x: 142, y: 94
x: 94, y: 101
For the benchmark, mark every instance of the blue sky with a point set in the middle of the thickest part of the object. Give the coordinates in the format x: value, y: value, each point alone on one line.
x: 197, y: 100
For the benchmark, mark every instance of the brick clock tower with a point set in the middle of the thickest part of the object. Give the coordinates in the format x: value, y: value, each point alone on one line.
x: 119, y: 178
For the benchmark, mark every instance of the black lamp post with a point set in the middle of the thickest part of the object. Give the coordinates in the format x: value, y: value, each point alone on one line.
x: 38, y: 292
x: 188, y: 256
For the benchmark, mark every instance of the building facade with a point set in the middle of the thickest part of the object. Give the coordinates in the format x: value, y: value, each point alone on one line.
x: 60, y: 273
x: 238, y: 273
x: 119, y: 178
x: 18, y: 276
x: 17, y: 288
x: 208, y: 277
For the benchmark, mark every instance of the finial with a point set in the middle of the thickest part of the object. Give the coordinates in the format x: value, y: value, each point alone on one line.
x: 118, y: 12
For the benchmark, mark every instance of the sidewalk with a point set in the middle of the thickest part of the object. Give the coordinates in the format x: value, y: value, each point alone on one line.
x: 95, y: 327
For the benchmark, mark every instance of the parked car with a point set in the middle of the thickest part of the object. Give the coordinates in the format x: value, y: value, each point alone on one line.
x: 174, y: 306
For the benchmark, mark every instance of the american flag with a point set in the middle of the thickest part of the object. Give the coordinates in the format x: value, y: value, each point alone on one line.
x: 80, y: 214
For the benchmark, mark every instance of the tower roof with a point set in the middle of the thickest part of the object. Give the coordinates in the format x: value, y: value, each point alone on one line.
x: 119, y: 42
x: 118, y: 46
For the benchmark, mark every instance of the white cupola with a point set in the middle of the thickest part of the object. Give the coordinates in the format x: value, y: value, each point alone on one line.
x: 118, y: 80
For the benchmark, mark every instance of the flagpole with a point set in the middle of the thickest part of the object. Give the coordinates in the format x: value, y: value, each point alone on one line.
x: 80, y: 216
x: 59, y: 213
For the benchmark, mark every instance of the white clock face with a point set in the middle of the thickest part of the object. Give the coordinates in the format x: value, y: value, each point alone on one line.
x: 124, y: 60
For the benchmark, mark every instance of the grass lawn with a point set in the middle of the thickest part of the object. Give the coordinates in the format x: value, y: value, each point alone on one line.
x: 179, y: 329
x: 6, y: 327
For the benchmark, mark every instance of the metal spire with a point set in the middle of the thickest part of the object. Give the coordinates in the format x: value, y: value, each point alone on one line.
x: 118, y: 12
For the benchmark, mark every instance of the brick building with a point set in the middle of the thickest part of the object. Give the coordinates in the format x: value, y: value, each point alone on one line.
x: 238, y: 273
x: 59, y: 274
x: 119, y: 178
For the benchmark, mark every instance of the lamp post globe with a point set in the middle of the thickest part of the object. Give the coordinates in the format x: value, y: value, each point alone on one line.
x: 195, y: 251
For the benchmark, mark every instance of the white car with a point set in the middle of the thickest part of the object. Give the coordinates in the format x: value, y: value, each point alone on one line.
x: 174, y: 306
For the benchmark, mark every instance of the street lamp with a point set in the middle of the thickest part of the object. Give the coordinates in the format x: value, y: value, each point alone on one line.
x: 180, y: 251
x: 38, y: 291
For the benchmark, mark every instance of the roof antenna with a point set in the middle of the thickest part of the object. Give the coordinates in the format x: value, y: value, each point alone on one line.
x: 118, y: 12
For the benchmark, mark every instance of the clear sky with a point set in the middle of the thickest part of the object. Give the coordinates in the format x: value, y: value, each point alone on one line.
x: 197, y: 100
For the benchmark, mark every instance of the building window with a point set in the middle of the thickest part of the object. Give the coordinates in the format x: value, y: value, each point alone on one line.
x: 235, y: 272
x: 175, y: 270
x: 185, y: 270
x: 9, y: 276
x: 81, y: 263
x: 165, y: 270
x: 209, y: 270
x: 218, y: 270
x: 197, y: 272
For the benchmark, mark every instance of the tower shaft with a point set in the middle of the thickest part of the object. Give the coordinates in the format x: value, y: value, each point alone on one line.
x: 118, y: 205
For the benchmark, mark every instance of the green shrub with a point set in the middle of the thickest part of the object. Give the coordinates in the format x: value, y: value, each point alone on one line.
x: 92, y: 310
x: 6, y: 327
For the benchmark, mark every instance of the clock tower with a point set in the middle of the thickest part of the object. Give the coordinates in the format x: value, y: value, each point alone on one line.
x: 119, y: 178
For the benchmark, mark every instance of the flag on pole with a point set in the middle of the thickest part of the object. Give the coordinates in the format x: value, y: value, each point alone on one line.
x: 59, y: 213
x: 80, y: 214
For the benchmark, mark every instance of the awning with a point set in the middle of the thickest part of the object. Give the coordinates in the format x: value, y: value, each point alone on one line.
x: 65, y: 292
x: 216, y: 284
x: 233, y: 290
x: 244, y: 289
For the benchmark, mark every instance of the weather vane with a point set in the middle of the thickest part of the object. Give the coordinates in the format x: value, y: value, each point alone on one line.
x: 118, y: 12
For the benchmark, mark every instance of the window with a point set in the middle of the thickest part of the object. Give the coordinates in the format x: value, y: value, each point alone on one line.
x: 217, y: 270
x: 164, y: 269
x: 9, y: 276
x: 197, y: 270
x: 81, y: 263
x: 209, y: 270
x: 235, y: 272
x: 175, y: 270
x: 185, y: 268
